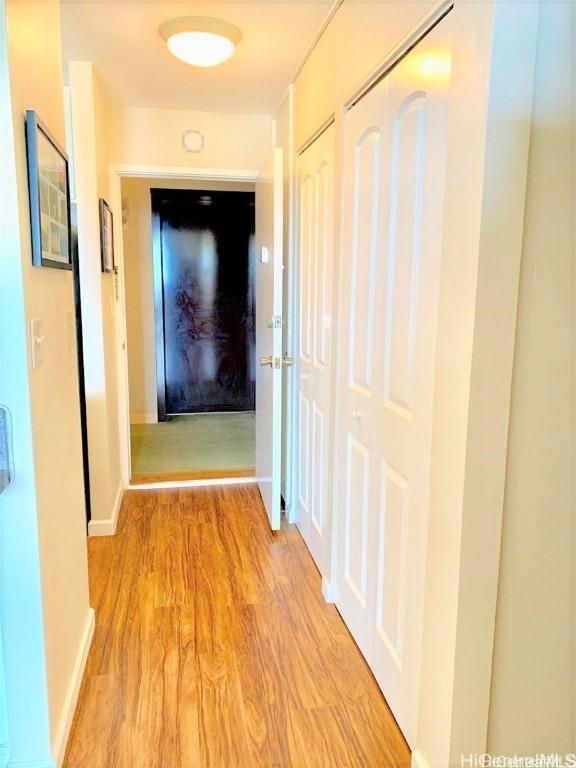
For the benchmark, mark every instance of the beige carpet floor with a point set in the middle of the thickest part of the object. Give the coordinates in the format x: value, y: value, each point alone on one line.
x: 202, y: 443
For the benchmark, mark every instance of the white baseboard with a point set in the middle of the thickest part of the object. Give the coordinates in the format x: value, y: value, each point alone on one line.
x: 107, y: 527
x: 418, y: 760
x: 61, y: 738
x: 328, y: 590
x: 143, y: 418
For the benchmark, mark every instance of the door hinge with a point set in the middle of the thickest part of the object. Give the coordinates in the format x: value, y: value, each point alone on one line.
x: 277, y: 321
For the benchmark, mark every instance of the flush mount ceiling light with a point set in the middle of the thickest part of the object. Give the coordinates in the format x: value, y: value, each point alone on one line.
x: 199, y: 40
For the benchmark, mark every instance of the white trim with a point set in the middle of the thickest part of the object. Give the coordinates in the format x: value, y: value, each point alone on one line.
x: 71, y: 699
x: 418, y: 760
x: 338, y: 288
x: 107, y: 527
x: 290, y: 312
x: 207, y: 482
x: 177, y: 172
x: 143, y: 418
x: 115, y: 192
x: 329, y: 590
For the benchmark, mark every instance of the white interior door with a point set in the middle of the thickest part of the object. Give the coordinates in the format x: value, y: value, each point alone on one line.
x: 316, y: 269
x: 268, y: 297
x: 395, y: 142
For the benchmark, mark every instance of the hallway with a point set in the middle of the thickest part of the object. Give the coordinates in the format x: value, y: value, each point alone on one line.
x: 214, y: 647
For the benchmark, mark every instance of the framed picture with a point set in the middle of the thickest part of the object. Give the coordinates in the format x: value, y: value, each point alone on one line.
x: 49, y: 194
x: 106, y: 237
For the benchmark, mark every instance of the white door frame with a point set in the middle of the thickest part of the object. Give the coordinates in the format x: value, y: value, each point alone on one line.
x: 289, y: 309
x: 290, y: 313
x: 116, y: 174
x: 268, y: 286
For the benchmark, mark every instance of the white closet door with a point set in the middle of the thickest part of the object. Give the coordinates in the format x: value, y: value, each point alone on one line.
x: 315, y: 209
x: 364, y: 208
x: 395, y: 140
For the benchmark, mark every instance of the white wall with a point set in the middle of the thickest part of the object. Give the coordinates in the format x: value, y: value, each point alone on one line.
x: 44, y: 553
x: 357, y: 39
x: 153, y: 137
x: 139, y: 287
x: 532, y: 705
x: 99, y: 305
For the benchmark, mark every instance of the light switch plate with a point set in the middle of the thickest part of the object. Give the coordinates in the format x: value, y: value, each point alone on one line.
x: 36, y: 343
x: 265, y: 255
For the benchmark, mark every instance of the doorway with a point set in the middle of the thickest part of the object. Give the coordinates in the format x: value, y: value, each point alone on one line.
x: 188, y: 264
x: 204, y: 301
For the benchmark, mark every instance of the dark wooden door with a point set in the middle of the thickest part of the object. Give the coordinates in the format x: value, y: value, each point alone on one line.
x: 205, y: 332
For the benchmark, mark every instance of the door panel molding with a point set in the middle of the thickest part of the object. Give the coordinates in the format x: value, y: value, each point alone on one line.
x: 314, y: 374
x: 393, y: 192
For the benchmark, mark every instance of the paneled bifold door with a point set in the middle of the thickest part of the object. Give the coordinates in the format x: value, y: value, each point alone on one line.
x: 393, y: 177
x: 316, y: 271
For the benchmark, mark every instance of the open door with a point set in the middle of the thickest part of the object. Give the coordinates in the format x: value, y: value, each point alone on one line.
x: 268, y: 297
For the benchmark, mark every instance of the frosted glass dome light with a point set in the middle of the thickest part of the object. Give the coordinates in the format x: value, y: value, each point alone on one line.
x: 200, y: 41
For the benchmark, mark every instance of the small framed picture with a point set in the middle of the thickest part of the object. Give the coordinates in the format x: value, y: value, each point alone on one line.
x: 49, y: 195
x: 106, y: 237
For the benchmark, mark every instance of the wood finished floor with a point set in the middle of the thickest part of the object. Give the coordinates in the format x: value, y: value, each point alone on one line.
x: 214, y: 647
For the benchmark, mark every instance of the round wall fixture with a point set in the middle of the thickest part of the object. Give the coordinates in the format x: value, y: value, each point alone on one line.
x: 200, y: 40
x: 193, y: 141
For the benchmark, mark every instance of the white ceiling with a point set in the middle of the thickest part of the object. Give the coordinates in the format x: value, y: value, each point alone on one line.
x: 121, y: 39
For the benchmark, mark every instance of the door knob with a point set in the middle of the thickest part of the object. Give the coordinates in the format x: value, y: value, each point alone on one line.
x: 267, y: 360
x: 288, y: 361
